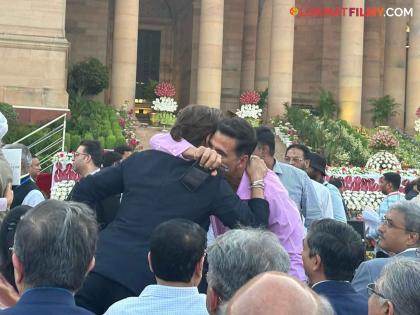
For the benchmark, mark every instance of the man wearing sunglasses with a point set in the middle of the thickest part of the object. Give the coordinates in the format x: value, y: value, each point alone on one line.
x: 399, y: 233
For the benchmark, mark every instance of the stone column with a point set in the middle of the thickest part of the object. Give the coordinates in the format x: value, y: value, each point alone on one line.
x: 262, y: 62
x: 249, y: 45
x: 124, y: 52
x: 281, y: 57
x: 210, y: 51
x: 413, y: 68
x: 351, y: 64
x: 395, y: 63
x: 373, y: 62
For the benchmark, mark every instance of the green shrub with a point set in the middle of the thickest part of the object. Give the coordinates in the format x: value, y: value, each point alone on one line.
x: 110, y: 142
x: 383, y: 109
x: 102, y: 141
x: 88, y: 77
x: 327, y: 106
x: 120, y: 140
x: 9, y: 112
x: 75, y: 140
x: 88, y: 136
x: 67, y: 142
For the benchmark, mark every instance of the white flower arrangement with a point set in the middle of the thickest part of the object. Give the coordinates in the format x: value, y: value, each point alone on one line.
x: 417, y: 125
x: 61, y: 190
x: 63, y: 157
x: 249, y: 111
x: 383, y: 161
x: 165, y: 104
x: 343, y: 171
x: 357, y: 201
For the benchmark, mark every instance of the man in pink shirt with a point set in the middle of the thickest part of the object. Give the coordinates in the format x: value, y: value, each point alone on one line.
x: 235, y: 140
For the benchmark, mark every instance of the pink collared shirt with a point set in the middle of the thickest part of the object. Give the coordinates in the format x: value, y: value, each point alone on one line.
x: 284, y: 219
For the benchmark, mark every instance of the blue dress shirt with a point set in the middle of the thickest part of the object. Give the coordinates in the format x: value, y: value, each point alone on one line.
x: 300, y: 189
x: 162, y: 300
x: 337, y: 203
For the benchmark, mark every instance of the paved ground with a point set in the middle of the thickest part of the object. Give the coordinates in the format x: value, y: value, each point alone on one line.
x: 144, y: 133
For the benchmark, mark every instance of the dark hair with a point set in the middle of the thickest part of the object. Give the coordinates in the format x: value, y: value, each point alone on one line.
x: 94, y: 149
x: 121, y: 149
x: 195, y: 122
x: 394, y: 179
x: 302, y: 147
x: 418, y: 184
x: 7, y: 238
x: 240, y: 130
x: 339, y: 246
x: 266, y: 137
x: 110, y: 157
x: 176, y: 246
x: 55, y: 243
x: 336, y: 182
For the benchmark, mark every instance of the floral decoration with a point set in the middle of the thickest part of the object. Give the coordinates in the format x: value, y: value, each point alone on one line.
x: 249, y: 97
x: 165, y: 105
x: 357, y: 201
x: 62, y: 189
x: 383, y: 140
x: 383, y: 160
x: 165, y: 89
x: 250, y: 110
x: 127, y: 121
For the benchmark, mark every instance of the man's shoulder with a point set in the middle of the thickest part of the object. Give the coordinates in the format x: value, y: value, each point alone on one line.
x: 290, y: 169
x: 154, y: 156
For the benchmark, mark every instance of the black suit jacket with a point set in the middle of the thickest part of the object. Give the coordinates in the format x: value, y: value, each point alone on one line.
x: 343, y: 298
x: 153, y: 193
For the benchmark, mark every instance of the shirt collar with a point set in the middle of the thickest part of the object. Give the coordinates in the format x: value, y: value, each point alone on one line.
x: 324, y: 281
x: 164, y: 291
x: 277, y: 168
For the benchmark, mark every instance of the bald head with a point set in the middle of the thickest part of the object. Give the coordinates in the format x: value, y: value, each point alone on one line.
x: 274, y: 293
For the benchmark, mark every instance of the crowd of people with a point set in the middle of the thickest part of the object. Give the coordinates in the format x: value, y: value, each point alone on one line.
x: 209, y: 221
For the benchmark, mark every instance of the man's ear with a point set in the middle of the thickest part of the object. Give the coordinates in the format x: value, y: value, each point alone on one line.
x: 18, y: 270
x: 91, y: 264
x: 413, y: 239
x: 317, y: 263
x: 390, y: 310
x: 243, y: 161
x: 307, y: 164
x: 213, y: 300
x: 149, y: 259
x: 199, y: 267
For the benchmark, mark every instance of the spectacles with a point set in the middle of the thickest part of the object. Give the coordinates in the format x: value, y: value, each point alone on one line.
x: 76, y: 154
x: 293, y: 159
x: 388, y: 223
x: 371, y: 289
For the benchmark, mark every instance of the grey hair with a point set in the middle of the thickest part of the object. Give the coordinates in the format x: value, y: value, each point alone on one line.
x: 239, y: 255
x: 55, y: 242
x: 400, y: 284
x: 324, y: 306
x: 411, y: 213
x: 26, y: 154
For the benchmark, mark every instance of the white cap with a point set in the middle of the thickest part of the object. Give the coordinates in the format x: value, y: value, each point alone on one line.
x: 3, y: 126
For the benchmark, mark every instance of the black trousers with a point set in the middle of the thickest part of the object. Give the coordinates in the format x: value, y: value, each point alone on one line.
x: 98, y: 293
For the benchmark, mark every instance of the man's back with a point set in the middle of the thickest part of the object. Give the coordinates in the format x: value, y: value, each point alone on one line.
x: 344, y: 299
x: 324, y: 199
x: 46, y: 301
x: 159, y: 299
x: 152, y: 193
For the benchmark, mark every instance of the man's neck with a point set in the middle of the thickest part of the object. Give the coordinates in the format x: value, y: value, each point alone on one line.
x: 175, y: 284
x: 314, y: 279
x: 270, y: 161
x: 89, y: 170
x: 234, y: 180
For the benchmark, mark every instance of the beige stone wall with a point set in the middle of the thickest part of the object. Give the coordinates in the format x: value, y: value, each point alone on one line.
x: 182, y: 54
x: 232, y: 54
x: 308, y: 49
x: 33, y: 50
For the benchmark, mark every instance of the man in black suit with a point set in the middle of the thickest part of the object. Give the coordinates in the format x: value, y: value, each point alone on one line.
x: 332, y: 251
x: 154, y: 187
x: 87, y: 161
